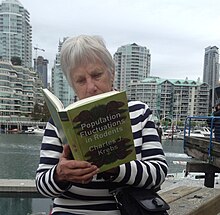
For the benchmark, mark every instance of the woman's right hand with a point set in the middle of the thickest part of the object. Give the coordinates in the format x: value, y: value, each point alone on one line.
x: 73, y: 170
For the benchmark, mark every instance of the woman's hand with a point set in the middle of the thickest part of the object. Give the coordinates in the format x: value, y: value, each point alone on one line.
x: 73, y: 170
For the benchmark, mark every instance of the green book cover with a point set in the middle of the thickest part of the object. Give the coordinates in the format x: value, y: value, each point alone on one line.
x: 98, y: 130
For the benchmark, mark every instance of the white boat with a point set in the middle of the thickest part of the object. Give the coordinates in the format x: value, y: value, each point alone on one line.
x: 39, y: 131
x: 34, y: 130
x: 170, y: 134
x: 183, y: 163
x: 195, y: 133
x: 165, y: 136
x: 206, y: 131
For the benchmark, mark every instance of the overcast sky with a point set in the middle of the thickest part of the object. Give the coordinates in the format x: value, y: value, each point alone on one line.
x: 176, y: 31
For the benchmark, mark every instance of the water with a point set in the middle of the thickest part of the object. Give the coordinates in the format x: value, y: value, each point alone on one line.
x: 19, y: 157
x: 175, y: 156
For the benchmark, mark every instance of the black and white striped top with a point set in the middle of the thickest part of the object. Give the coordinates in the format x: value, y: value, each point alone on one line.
x: 148, y: 171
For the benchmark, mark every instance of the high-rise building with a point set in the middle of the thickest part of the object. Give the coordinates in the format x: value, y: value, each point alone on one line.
x: 211, y: 66
x: 40, y: 67
x: 15, y: 32
x: 132, y: 63
x: 211, y: 70
x: 60, y: 86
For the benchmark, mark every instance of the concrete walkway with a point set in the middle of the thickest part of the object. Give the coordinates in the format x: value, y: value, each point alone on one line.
x: 17, y: 185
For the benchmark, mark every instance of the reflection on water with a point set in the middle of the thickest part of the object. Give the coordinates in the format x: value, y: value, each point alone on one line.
x: 19, y: 157
x: 24, y: 206
x: 21, y: 205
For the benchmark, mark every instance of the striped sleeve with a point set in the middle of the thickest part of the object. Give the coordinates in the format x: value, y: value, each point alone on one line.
x: 51, y: 149
x: 150, y: 168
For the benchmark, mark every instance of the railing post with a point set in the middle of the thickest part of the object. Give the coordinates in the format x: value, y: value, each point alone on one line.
x: 209, y: 180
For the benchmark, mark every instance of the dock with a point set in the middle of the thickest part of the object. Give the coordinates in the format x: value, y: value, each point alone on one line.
x: 188, y: 200
x: 18, y: 187
x: 190, y: 197
x: 202, y: 147
x: 206, y: 157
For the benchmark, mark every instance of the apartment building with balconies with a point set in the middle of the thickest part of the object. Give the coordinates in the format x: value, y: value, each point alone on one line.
x: 174, y: 99
x: 20, y: 90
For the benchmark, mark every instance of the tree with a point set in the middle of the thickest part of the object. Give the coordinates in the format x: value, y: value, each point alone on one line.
x: 16, y: 61
x: 46, y: 113
x: 40, y: 112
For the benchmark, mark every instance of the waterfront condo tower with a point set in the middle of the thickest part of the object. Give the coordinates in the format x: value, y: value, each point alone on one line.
x: 60, y: 86
x: 211, y: 72
x: 132, y: 64
x: 211, y: 66
x: 15, y: 32
x: 40, y: 66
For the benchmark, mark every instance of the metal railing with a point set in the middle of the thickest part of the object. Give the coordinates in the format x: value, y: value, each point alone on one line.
x: 209, y: 126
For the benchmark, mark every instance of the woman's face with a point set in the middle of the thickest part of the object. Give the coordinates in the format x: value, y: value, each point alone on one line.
x: 91, y: 79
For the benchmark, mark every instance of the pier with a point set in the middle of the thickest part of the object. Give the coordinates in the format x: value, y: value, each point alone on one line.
x: 203, y: 149
x: 192, y: 200
x: 18, y: 188
x: 206, y: 155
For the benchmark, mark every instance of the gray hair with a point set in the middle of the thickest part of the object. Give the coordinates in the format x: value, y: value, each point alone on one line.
x: 82, y: 50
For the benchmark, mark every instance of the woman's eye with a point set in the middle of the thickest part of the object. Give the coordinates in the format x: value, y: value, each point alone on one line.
x: 80, y: 81
x: 97, y: 75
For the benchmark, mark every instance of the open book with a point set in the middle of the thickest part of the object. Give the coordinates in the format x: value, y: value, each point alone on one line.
x: 98, y: 128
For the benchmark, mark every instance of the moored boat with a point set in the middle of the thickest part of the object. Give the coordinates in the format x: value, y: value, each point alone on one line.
x: 194, y: 133
x: 34, y: 130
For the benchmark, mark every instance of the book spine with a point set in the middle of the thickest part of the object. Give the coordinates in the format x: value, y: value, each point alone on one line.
x: 70, y: 137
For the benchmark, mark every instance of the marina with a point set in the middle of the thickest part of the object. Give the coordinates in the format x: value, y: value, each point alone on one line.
x: 8, y: 126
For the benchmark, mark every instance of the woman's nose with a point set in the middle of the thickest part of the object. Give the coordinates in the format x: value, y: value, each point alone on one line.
x: 91, y: 86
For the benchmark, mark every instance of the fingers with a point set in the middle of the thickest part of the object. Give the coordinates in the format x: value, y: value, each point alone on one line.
x: 67, y: 152
x: 84, y: 178
x: 75, y: 171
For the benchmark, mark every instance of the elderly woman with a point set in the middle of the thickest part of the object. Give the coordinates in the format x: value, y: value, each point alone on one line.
x: 76, y: 187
